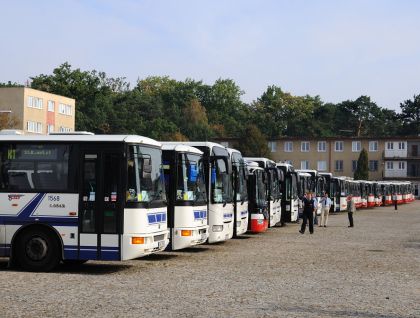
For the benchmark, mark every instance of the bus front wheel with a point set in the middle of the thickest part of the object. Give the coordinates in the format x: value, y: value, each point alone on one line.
x: 37, y: 250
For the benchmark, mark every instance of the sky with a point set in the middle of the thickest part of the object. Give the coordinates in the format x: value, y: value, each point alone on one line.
x: 338, y: 50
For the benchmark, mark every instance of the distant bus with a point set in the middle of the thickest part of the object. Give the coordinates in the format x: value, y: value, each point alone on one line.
x: 273, y: 188
x: 186, y: 195
x: 218, y: 176
x: 258, y: 205
x: 289, y: 201
x: 240, y: 191
x: 80, y: 197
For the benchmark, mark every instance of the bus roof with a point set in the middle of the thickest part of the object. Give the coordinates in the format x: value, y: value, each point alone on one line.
x: 265, y: 161
x: 167, y: 145
x: 82, y: 138
x: 231, y: 151
x: 208, y: 144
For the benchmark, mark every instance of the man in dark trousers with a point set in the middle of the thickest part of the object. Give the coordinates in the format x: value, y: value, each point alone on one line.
x: 308, y: 213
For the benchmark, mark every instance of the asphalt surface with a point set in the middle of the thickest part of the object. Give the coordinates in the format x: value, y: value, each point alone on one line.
x: 371, y: 270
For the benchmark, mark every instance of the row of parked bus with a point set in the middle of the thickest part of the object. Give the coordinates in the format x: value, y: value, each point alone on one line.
x: 78, y: 197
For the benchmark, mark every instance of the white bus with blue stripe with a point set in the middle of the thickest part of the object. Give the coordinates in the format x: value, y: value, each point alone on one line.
x: 80, y: 197
x: 218, y: 176
x: 186, y: 195
x: 240, y: 191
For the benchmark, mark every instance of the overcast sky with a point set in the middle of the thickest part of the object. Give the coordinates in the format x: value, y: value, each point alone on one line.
x: 336, y: 49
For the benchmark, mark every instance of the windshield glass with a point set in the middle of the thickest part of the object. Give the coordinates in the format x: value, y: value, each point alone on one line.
x: 260, y: 190
x: 190, y: 178
x: 221, y: 185
x: 294, y: 186
x: 320, y: 186
x: 144, y: 177
x: 238, y: 165
x: 275, y: 184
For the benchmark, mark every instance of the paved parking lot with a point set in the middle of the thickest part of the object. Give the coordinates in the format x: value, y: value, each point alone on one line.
x: 372, y: 270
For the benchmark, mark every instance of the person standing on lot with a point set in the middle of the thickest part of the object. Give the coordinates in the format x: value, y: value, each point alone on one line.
x: 308, y: 213
x: 351, y: 207
x: 325, y: 209
x: 315, y: 209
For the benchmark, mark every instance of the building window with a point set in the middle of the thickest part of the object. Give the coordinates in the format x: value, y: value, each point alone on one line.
x: 373, y: 165
x: 373, y: 146
x: 290, y: 162
x: 356, y: 146
x: 65, y: 109
x: 35, y: 102
x: 225, y: 143
x: 389, y: 165
x: 322, y: 165
x: 272, y: 145
x: 322, y: 146
x: 353, y: 165
x: 390, y: 145
x: 304, y: 164
x: 34, y: 127
x: 64, y: 129
x: 401, y: 165
x: 304, y: 146
x: 50, y: 128
x: 51, y: 106
x: 288, y: 146
x: 401, y: 145
x: 339, y: 165
x: 339, y: 146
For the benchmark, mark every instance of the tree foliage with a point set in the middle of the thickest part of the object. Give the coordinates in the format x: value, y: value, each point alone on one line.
x: 362, y: 171
x: 167, y: 109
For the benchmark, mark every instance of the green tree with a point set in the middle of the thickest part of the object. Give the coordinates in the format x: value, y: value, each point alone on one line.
x: 253, y: 143
x: 410, y: 116
x: 361, y: 114
x: 93, y: 91
x: 10, y: 84
x: 362, y: 171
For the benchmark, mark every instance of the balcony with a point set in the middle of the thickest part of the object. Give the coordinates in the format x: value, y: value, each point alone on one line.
x: 394, y: 154
x: 396, y: 174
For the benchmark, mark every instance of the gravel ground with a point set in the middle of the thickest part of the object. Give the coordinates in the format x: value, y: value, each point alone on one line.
x: 372, y: 270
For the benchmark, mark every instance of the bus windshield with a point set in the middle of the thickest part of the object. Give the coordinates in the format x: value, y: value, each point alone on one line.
x: 221, y: 185
x: 275, y: 184
x: 260, y: 191
x: 144, y: 177
x: 294, y: 186
x: 240, y: 168
x: 190, y: 184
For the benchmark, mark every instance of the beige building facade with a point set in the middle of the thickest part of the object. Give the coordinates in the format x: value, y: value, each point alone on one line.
x: 37, y: 112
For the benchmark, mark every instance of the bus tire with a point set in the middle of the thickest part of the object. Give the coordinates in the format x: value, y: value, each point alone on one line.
x: 37, y: 250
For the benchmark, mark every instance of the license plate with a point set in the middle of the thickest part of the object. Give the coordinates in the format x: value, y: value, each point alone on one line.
x: 161, y: 244
x: 203, y: 236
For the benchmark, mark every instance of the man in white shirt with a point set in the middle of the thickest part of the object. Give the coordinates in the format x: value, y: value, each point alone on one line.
x: 325, y: 209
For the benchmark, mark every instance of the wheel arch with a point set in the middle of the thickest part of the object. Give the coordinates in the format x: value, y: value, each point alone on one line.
x: 28, y: 227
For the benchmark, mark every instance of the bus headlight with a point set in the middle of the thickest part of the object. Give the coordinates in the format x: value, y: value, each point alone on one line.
x: 217, y: 228
x: 137, y: 240
x: 186, y: 232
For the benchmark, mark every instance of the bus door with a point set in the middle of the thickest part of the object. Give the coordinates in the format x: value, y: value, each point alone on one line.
x: 99, y: 205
